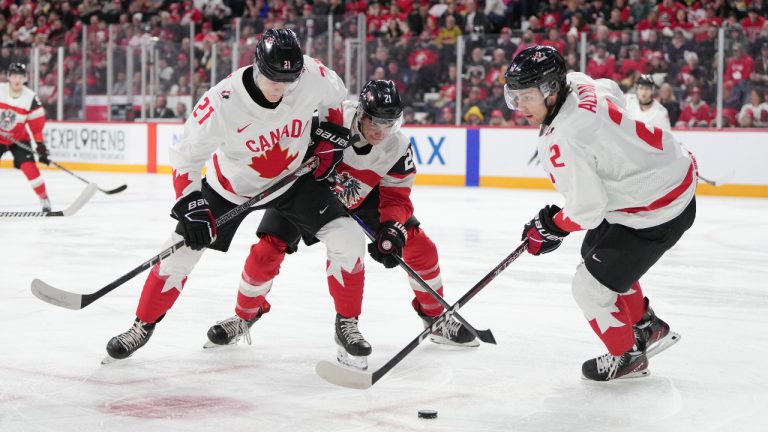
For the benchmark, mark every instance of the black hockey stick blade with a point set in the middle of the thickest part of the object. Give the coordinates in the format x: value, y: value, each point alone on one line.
x: 73, y: 208
x: 69, y: 300
x: 344, y: 376
x: 115, y: 190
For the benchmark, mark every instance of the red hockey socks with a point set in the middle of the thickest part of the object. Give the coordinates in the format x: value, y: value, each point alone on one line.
x: 261, y: 267
x: 159, y: 294
x: 35, y: 179
x: 421, y: 254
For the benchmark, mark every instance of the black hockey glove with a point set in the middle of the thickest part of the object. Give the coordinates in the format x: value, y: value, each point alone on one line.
x: 42, y: 153
x: 542, y: 233
x: 390, y: 239
x: 196, y: 222
x: 330, y: 141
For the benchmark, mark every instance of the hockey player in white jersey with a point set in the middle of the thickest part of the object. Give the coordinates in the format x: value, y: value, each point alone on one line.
x: 251, y: 130
x: 374, y: 180
x: 642, y: 106
x: 629, y: 184
x: 19, y: 107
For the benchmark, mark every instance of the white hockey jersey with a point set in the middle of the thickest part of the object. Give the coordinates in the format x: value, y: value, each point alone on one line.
x: 16, y: 112
x: 388, y: 164
x: 656, y: 115
x: 247, y: 147
x: 611, y: 166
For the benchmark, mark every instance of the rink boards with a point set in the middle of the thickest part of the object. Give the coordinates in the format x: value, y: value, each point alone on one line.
x: 456, y: 156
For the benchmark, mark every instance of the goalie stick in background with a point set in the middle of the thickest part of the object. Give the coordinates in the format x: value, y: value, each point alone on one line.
x: 252, y: 129
x: 374, y: 181
x: 20, y: 106
x: 630, y: 185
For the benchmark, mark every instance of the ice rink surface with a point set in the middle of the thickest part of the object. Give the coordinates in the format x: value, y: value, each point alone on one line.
x: 712, y: 288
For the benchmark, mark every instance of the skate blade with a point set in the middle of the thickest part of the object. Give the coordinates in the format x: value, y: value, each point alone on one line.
x: 445, y: 341
x: 662, y: 344
x: 639, y: 374
x: 346, y: 359
x: 208, y: 344
x: 109, y: 360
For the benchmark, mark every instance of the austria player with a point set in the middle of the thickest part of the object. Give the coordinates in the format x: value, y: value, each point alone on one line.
x: 374, y: 179
x: 630, y: 185
x: 642, y: 106
x: 19, y: 106
x: 250, y: 130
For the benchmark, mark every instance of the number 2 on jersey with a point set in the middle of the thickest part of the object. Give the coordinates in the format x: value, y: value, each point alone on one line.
x: 554, y: 150
x: 652, y: 136
x: 204, y: 109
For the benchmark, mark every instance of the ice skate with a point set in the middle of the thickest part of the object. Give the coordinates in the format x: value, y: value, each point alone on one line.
x: 449, y: 332
x: 45, y: 203
x: 353, y: 350
x: 229, y: 331
x: 652, y: 334
x: 125, y: 344
x: 607, y: 367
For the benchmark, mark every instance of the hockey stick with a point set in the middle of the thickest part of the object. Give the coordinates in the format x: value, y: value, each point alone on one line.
x: 484, y: 335
x: 717, y: 182
x: 29, y: 149
x: 83, y: 198
x: 74, y: 301
x: 357, y: 379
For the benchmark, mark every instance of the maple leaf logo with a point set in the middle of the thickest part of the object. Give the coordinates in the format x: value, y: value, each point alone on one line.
x: 180, y: 182
x: 272, y: 162
x: 335, y: 116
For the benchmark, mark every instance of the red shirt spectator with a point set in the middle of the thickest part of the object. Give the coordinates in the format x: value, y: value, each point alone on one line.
x: 602, y: 64
x: 668, y: 12
x: 635, y: 64
x: 753, y: 23
x: 696, y: 112
x: 739, y: 66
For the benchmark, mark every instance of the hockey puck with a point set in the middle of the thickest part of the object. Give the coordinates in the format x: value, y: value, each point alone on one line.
x: 428, y: 414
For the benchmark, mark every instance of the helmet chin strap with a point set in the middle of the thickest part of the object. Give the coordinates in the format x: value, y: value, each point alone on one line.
x: 553, y: 109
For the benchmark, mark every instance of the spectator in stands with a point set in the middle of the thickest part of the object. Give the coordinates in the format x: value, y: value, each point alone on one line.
x: 120, y: 87
x: 753, y: 23
x: 554, y: 39
x: 181, y: 87
x: 762, y: 39
x: 755, y: 113
x: 738, y: 69
x: 759, y: 75
x: 181, y: 111
x: 409, y: 116
x: 449, y: 33
x: 474, y: 116
x: 495, y: 100
x: 675, y: 51
x: 448, y: 115
x: 657, y: 65
x: 601, y: 64
x: 417, y: 19
x: 496, y: 11
x: 477, y: 62
x: 706, y: 47
x: 572, y: 62
x: 497, y: 118
x: 505, y: 42
x: 691, y: 71
x: 731, y: 101
x: 475, y: 97
x: 649, y: 25
x: 632, y: 67
x: 476, y: 23
x: 696, y: 112
x: 668, y: 12
x: 615, y: 22
x: 597, y: 12
x: 161, y: 108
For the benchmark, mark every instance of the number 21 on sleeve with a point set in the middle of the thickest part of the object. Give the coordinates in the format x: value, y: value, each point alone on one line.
x: 203, y: 110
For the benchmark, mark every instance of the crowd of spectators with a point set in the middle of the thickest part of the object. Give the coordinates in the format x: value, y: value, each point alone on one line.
x: 413, y: 42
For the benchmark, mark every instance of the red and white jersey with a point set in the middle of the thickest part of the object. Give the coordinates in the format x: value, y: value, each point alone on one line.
x: 388, y: 164
x: 247, y: 147
x: 608, y: 165
x: 15, y: 112
x: 656, y: 115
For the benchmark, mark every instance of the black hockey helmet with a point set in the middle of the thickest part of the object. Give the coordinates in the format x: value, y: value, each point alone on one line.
x: 17, y: 69
x: 279, y: 56
x: 380, y: 100
x: 645, y: 80
x: 538, y: 66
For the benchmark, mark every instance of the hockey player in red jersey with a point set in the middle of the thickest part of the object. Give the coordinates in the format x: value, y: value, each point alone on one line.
x: 374, y: 180
x: 630, y: 185
x: 252, y: 129
x: 19, y: 107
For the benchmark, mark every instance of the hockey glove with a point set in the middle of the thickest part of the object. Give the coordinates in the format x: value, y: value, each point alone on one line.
x: 542, y: 233
x: 330, y: 141
x: 390, y: 239
x: 42, y: 153
x: 196, y: 222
